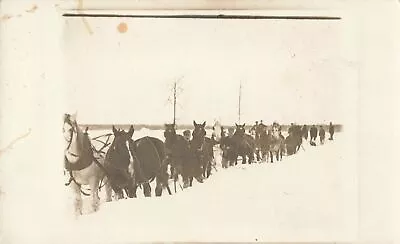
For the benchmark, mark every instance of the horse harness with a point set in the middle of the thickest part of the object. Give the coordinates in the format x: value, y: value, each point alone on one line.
x: 82, y: 161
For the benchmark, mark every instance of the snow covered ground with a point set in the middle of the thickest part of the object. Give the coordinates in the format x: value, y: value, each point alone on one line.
x: 310, y: 196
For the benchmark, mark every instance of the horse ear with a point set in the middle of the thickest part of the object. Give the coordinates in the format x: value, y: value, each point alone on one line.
x: 74, y: 116
x: 236, y: 125
x: 194, y: 123
x: 130, y: 132
x: 244, y: 124
x: 204, y: 124
x: 114, y: 130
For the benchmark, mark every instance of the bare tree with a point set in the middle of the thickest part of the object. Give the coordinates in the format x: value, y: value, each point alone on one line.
x: 176, y: 90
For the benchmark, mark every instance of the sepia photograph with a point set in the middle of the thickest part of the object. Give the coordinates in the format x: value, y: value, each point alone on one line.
x: 187, y: 125
x: 211, y: 128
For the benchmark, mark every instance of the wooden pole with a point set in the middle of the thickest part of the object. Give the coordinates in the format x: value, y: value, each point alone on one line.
x: 174, y: 102
x: 240, y: 101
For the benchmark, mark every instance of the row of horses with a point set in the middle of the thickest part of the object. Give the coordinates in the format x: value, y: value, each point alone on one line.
x: 265, y: 146
x: 129, y: 164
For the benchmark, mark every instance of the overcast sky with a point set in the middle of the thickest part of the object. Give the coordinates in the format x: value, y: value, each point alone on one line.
x: 291, y: 70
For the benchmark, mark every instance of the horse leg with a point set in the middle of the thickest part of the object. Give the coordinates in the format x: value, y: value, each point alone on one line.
x: 186, y: 181
x: 208, y: 170
x: 175, y: 185
x: 169, y: 189
x: 147, y: 189
x: 263, y: 156
x: 76, y: 190
x: 134, y: 190
x: 159, y: 187
x: 158, y: 190
x: 94, y: 186
x: 119, y: 194
x: 224, y: 163
x: 257, y: 154
x: 131, y: 190
x: 172, y: 172
x: 108, y: 190
x: 244, y: 161
x: 272, y: 156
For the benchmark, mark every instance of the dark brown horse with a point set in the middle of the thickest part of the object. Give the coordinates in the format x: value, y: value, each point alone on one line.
x: 244, y: 144
x: 117, y: 162
x: 181, y: 157
x: 203, y: 148
x: 148, y: 164
x: 294, y: 140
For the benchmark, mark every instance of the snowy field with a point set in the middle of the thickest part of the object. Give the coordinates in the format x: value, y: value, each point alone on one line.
x: 310, y: 196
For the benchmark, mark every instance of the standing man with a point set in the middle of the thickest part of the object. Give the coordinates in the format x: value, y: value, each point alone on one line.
x: 260, y: 130
x: 304, y: 131
x: 291, y: 127
x: 331, y: 131
x: 186, y: 135
x: 313, y: 135
x: 321, y: 135
x: 253, y: 129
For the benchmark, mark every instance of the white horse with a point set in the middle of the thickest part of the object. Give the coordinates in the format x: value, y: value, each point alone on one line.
x: 217, y: 129
x: 277, y: 144
x: 84, y: 166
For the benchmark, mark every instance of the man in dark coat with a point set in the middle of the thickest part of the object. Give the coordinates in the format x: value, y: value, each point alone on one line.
x: 304, y: 131
x: 321, y: 135
x: 261, y: 128
x: 291, y: 128
x: 228, y: 148
x: 254, y: 128
x: 313, y: 135
x: 331, y: 131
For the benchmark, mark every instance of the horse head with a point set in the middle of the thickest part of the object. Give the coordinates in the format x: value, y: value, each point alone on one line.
x: 119, y: 152
x: 73, y: 138
x: 240, y: 130
x: 199, y: 131
x: 198, y: 134
x: 170, y: 131
x: 69, y: 127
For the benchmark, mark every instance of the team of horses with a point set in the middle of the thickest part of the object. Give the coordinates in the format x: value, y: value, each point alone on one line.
x: 130, y: 164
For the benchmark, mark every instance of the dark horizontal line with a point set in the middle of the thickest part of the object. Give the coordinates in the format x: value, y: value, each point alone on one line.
x: 191, y: 16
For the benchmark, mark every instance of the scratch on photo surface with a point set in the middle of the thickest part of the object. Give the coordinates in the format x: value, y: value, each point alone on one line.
x: 13, y: 142
x: 85, y: 22
x: 32, y: 9
x: 5, y: 17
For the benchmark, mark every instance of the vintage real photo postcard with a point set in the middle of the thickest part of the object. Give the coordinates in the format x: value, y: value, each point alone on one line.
x: 191, y: 125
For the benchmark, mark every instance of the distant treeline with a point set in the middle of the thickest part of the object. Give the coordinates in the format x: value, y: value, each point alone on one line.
x: 338, y: 127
